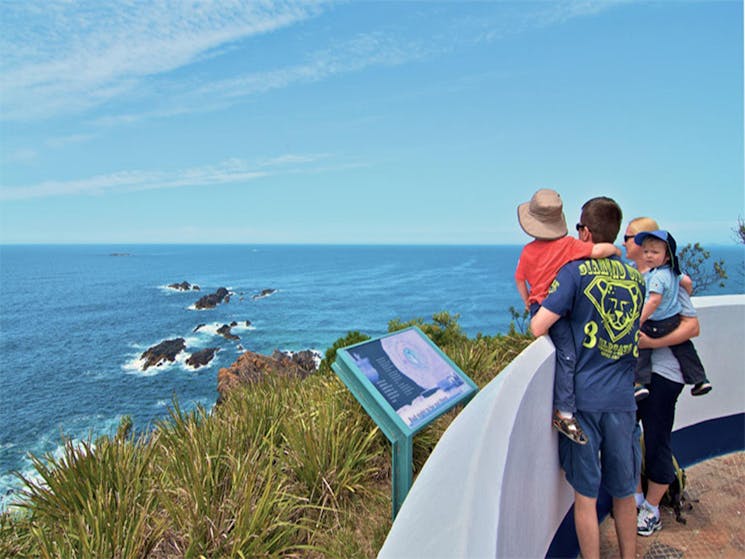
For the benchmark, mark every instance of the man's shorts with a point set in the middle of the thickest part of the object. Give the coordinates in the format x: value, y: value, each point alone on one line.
x: 611, y: 458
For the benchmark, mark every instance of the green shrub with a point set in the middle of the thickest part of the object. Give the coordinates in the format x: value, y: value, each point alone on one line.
x: 221, y: 490
x: 94, y: 501
x: 353, y: 337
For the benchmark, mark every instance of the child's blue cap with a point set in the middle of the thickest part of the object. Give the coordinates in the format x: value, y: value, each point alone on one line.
x: 662, y: 235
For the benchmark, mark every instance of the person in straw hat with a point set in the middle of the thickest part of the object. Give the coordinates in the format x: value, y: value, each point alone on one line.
x: 540, y: 260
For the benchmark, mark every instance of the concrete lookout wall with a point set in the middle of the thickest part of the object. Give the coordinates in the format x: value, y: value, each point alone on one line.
x: 492, y: 487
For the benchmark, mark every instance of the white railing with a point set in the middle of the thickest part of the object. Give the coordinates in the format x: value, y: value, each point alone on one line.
x: 492, y: 487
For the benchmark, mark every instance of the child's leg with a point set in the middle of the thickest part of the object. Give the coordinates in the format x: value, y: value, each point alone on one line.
x: 563, y: 339
x: 691, y: 367
x: 564, y: 401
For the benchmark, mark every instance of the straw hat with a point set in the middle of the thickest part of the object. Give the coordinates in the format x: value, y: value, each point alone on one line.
x: 543, y: 217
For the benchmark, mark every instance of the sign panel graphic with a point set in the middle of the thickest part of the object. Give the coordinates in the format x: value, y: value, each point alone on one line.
x: 411, y: 374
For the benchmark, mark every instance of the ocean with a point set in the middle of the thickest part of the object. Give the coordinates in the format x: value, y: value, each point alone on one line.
x: 75, y: 320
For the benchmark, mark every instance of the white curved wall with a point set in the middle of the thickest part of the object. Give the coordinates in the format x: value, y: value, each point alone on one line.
x: 492, y: 487
x: 721, y: 347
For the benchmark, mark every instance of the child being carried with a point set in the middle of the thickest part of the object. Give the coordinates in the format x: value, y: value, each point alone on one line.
x: 540, y: 260
x: 660, y: 314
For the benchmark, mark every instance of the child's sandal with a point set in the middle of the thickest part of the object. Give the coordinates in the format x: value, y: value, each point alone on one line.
x: 569, y: 427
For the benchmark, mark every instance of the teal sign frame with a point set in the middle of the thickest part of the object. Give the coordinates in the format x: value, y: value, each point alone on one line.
x: 404, y: 382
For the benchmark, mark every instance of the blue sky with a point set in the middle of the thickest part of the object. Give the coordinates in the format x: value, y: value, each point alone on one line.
x: 364, y: 122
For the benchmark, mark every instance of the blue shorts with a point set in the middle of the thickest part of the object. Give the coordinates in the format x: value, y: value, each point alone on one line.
x: 611, y: 458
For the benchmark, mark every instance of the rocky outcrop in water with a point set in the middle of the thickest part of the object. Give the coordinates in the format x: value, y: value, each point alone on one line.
x: 253, y: 367
x: 166, y: 350
x: 202, y: 357
x: 224, y: 331
x: 263, y: 293
x: 184, y: 286
x: 213, y: 299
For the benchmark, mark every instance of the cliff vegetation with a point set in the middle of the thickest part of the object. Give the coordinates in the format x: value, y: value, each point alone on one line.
x: 283, y: 467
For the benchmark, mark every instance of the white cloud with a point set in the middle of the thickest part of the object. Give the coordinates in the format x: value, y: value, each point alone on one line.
x: 59, y: 57
x: 358, y: 53
x: 230, y: 171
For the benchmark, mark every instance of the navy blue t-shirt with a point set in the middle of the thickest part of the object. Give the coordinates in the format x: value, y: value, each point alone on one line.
x: 602, y: 300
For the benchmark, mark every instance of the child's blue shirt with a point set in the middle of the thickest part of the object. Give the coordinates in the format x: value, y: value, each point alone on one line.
x: 662, y: 280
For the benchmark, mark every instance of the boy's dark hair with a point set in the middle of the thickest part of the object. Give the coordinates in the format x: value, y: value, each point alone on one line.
x: 602, y: 216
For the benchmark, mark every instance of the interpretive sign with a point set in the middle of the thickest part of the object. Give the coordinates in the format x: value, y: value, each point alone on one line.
x: 404, y: 381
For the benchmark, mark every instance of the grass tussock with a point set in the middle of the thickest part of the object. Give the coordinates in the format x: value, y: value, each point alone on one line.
x: 283, y: 468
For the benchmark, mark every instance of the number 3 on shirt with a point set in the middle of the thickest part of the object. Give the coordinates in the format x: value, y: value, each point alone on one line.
x: 591, y: 330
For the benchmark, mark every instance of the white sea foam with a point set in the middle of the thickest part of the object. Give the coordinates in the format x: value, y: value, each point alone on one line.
x: 193, y: 341
x: 135, y: 365
x: 11, y: 487
x: 209, y: 329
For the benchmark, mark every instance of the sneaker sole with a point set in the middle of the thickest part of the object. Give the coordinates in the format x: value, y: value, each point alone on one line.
x: 656, y: 528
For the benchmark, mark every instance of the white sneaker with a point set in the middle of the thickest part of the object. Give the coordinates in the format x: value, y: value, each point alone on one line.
x: 647, y: 522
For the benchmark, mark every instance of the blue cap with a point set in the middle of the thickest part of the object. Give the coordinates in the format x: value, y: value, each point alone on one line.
x: 662, y: 235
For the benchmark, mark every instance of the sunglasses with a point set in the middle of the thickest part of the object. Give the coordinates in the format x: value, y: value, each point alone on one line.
x: 627, y: 238
x: 581, y: 226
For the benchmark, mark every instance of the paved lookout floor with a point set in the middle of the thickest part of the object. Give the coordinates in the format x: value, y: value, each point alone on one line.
x: 715, y: 526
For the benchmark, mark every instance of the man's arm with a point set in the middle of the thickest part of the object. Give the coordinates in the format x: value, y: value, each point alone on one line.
x: 542, y: 321
x: 687, y: 329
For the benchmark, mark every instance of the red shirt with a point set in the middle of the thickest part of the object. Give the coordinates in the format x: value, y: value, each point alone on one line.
x: 540, y: 262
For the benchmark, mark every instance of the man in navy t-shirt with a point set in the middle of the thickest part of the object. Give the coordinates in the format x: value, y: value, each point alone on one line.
x: 602, y: 300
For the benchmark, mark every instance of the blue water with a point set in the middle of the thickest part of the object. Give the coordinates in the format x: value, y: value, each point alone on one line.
x: 74, y: 321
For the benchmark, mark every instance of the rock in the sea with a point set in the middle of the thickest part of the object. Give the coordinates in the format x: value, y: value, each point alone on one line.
x: 164, y: 351
x: 264, y: 293
x: 224, y: 331
x: 183, y: 286
x: 213, y: 299
x: 202, y: 357
x: 306, y: 359
x: 253, y: 367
